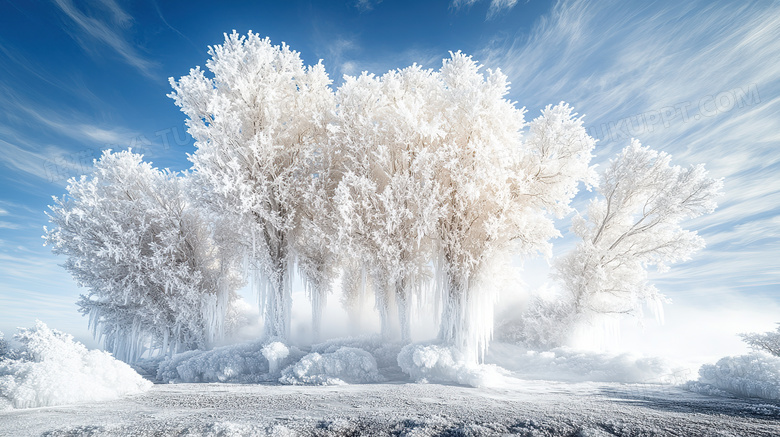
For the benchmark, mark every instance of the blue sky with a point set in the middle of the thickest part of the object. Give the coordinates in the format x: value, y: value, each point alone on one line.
x: 700, y: 80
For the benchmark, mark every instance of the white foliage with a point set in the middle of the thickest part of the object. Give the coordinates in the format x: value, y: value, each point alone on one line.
x: 634, y: 224
x: 161, y: 273
x: 52, y: 369
x: 446, y: 364
x: 387, y: 197
x: 346, y: 365
x: 767, y: 342
x: 755, y: 375
x: 256, y: 121
x: 502, y: 190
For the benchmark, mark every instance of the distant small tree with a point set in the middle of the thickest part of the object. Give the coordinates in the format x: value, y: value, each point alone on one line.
x: 635, y: 224
x: 767, y: 342
x: 160, y: 273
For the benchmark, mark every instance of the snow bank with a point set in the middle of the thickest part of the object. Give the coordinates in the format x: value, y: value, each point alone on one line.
x: 756, y: 375
x: 385, y: 353
x: 434, y: 363
x: 52, y: 369
x: 250, y: 362
x: 347, y: 365
x: 568, y: 365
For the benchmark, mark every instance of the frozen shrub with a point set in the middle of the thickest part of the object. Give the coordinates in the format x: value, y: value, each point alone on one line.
x: 435, y: 363
x: 755, y: 375
x: 242, y: 363
x: 346, y: 365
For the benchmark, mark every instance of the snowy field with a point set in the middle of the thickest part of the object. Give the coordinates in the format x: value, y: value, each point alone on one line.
x: 521, y: 407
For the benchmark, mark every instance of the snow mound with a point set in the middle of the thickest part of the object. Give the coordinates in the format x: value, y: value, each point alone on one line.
x: 385, y: 353
x: 756, y: 375
x: 50, y: 368
x: 250, y: 362
x: 347, y: 365
x: 569, y: 365
x: 434, y: 363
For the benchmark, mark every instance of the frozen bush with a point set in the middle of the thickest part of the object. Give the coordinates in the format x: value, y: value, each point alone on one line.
x: 3, y: 346
x: 435, y: 363
x: 347, y: 365
x: 241, y: 363
x: 755, y: 375
x: 51, y: 369
x: 384, y: 352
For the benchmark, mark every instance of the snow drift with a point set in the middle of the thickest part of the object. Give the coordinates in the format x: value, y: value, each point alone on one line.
x: 250, y: 362
x: 347, y: 365
x: 570, y: 365
x: 50, y: 368
x: 756, y: 375
x: 435, y: 363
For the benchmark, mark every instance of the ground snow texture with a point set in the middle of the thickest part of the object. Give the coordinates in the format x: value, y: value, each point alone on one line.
x: 52, y: 369
x: 755, y: 375
x: 528, y: 408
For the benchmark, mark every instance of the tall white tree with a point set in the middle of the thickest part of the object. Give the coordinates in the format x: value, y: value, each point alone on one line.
x: 387, y: 198
x: 256, y: 120
x: 161, y: 274
x: 500, y: 190
x: 634, y: 224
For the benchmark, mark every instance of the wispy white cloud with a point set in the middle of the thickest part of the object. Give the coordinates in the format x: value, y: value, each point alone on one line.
x: 496, y: 6
x: 366, y: 5
x: 685, y: 66
x: 345, y: 56
x: 87, y: 30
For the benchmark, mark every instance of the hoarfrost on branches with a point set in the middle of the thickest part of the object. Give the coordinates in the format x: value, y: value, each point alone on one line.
x: 417, y: 185
x: 635, y: 224
x: 161, y: 273
x: 767, y: 342
x: 256, y: 121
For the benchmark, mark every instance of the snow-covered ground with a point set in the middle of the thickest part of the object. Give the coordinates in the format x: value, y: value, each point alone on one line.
x: 51, y: 385
x: 520, y: 407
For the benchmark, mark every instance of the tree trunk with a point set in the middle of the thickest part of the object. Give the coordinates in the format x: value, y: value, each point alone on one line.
x: 278, y: 300
x: 404, y: 309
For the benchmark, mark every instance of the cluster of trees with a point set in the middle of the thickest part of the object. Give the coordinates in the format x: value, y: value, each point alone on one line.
x: 411, y: 183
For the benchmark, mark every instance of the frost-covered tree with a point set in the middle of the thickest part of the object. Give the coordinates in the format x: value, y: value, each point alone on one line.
x: 256, y: 119
x: 500, y: 190
x: 315, y: 248
x: 387, y: 199
x: 4, y: 349
x: 633, y: 224
x: 160, y: 273
x: 767, y: 342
